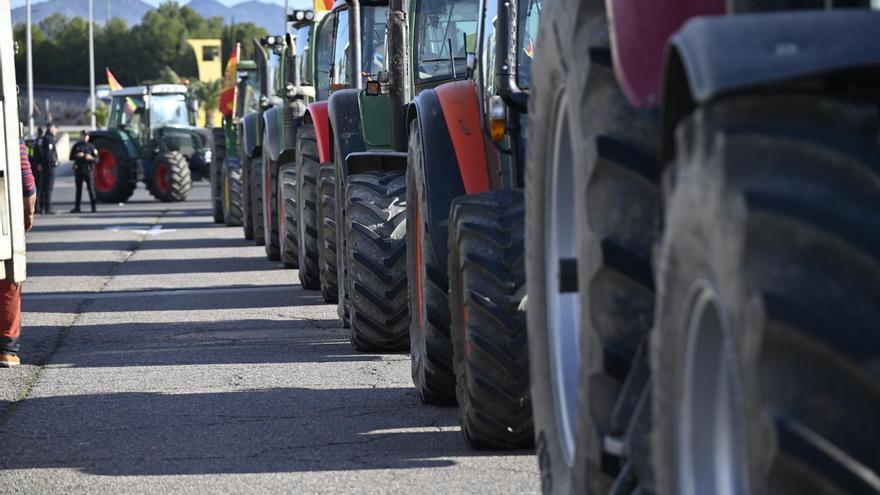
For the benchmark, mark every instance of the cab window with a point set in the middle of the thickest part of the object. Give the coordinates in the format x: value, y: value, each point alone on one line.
x: 303, y: 38
x: 375, y: 23
x: 341, y: 51
x: 324, y: 56
x: 444, y: 33
x: 528, y: 17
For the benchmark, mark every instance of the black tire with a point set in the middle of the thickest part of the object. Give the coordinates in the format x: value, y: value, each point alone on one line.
x: 487, y: 277
x: 232, y: 192
x: 327, y: 232
x: 773, y: 216
x: 343, y: 280
x: 171, y: 181
x: 270, y: 208
x: 430, y: 343
x: 218, y: 156
x: 257, y: 193
x: 287, y: 215
x: 376, y: 254
x: 247, y: 198
x: 592, y: 218
x: 307, y: 207
x: 119, y: 168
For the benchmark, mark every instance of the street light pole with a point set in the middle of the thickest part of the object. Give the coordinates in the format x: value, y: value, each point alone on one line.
x: 286, y: 12
x: 92, y: 61
x: 30, y: 72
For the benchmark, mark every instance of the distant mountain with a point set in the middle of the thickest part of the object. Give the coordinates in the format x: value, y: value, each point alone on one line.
x: 266, y: 15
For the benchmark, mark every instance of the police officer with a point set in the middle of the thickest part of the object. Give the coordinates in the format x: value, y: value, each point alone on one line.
x: 84, y: 155
x: 48, y: 159
x: 36, y: 161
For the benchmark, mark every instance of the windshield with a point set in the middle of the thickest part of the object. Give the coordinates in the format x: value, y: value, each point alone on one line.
x: 168, y: 110
x: 324, y: 57
x: 373, y: 22
x: 530, y: 13
x: 303, y: 37
x: 445, y: 31
x: 273, y: 70
x: 248, y: 94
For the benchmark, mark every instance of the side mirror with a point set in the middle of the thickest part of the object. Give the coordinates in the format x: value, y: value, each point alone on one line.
x: 264, y: 102
x: 471, y: 61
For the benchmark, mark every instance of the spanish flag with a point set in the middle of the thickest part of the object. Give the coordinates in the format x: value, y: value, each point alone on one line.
x: 115, y: 86
x: 322, y: 5
x: 227, y: 87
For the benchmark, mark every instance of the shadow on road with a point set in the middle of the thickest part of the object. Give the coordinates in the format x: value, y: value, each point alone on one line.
x: 151, y: 267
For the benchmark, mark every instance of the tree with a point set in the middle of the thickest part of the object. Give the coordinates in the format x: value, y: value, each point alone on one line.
x: 208, y: 94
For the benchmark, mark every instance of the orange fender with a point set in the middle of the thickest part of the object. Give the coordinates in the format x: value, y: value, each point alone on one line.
x: 462, y: 113
x: 319, y: 116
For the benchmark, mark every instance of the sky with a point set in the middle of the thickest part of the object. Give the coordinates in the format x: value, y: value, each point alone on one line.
x: 19, y: 3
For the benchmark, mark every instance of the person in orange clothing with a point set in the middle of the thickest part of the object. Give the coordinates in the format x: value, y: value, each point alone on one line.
x: 10, y: 292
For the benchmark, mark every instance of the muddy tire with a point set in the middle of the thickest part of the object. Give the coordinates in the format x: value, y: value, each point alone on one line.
x: 376, y: 252
x: 287, y: 215
x: 257, y: 193
x: 171, y: 181
x: 327, y: 232
x: 430, y: 343
x: 307, y: 208
x: 593, y: 211
x: 218, y: 156
x: 486, y: 286
x: 114, y: 174
x: 768, y: 309
x: 232, y: 192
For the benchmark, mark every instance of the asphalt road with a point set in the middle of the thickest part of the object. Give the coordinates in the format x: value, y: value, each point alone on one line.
x: 165, y: 354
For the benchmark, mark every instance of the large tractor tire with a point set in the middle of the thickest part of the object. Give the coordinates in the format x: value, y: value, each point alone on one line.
x: 768, y: 320
x: 170, y: 181
x: 232, y: 192
x: 430, y: 342
x: 218, y: 156
x: 257, y: 194
x: 375, y: 225
x: 487, y: 278
x: 307, y: 207
x: 287, y: 215
x: 327, y: 232
x: 269, y: 207
x: 593, y: 211
x: 114, y: 172
x: 247, y: 198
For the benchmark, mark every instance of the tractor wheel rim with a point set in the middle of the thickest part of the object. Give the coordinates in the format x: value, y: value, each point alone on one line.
x: 162, y: 182
x: 105, y: 171
x: 711, y: 452
x: 563, y: 305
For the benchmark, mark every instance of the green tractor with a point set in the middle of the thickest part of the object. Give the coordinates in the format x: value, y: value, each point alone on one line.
x: 151, y: 137
x: 226, y: 179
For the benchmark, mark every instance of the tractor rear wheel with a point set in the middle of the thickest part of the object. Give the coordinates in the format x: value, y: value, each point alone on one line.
x: 307, y: 207
x: 430, y: 343
x: 768, y: 320
x: 114, y: 172
x: 218, y: 155
x: 257, y: 194
x: 232, y: 199
x: 593, y: 211
x: 327, y: 232
x: 375, y: 224
x: 171, y: 181
x: 269, y: 207
x: 287, y: 215
x: 486, y: 286
x: 247, y: 197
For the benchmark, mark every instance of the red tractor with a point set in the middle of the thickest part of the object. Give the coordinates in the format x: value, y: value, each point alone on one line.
x: 703, y: 246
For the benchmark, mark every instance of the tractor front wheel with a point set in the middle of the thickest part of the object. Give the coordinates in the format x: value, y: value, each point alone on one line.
x: 114, y: 172
x: 308, y: 223
x: 171, y: 181
x: 218, y: 156
x: 232, y: 189
x: 257, y: 194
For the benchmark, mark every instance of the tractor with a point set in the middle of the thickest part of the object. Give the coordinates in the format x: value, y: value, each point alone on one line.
x: 357, y: 35
x: 465, y: 214
x: 703, y: 246
x: 226, y: 179
x: 151, y: 136
x: 294, y: 85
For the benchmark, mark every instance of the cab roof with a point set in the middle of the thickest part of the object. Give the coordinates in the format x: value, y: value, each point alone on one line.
x: 152, y: 89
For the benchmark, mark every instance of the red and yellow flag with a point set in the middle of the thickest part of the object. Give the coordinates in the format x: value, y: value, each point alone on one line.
x: 322, y: 5
x: 227, y: 87
x: 115, y: 86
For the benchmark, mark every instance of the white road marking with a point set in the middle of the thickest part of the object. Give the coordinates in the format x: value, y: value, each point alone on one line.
x: 154, y: 230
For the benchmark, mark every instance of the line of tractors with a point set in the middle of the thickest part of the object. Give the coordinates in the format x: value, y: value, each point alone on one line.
x: 643, y: 237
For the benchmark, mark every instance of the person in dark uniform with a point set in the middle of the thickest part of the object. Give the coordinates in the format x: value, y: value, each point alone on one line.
x: 36, y: 161
x: 48, y: 159
x: 84, y: 156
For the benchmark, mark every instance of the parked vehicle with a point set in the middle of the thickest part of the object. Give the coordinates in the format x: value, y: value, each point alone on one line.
x: 702, y: 238
x: 151, y: 137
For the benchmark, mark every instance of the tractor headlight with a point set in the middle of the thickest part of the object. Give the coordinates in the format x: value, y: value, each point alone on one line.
x: 208, y: 156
